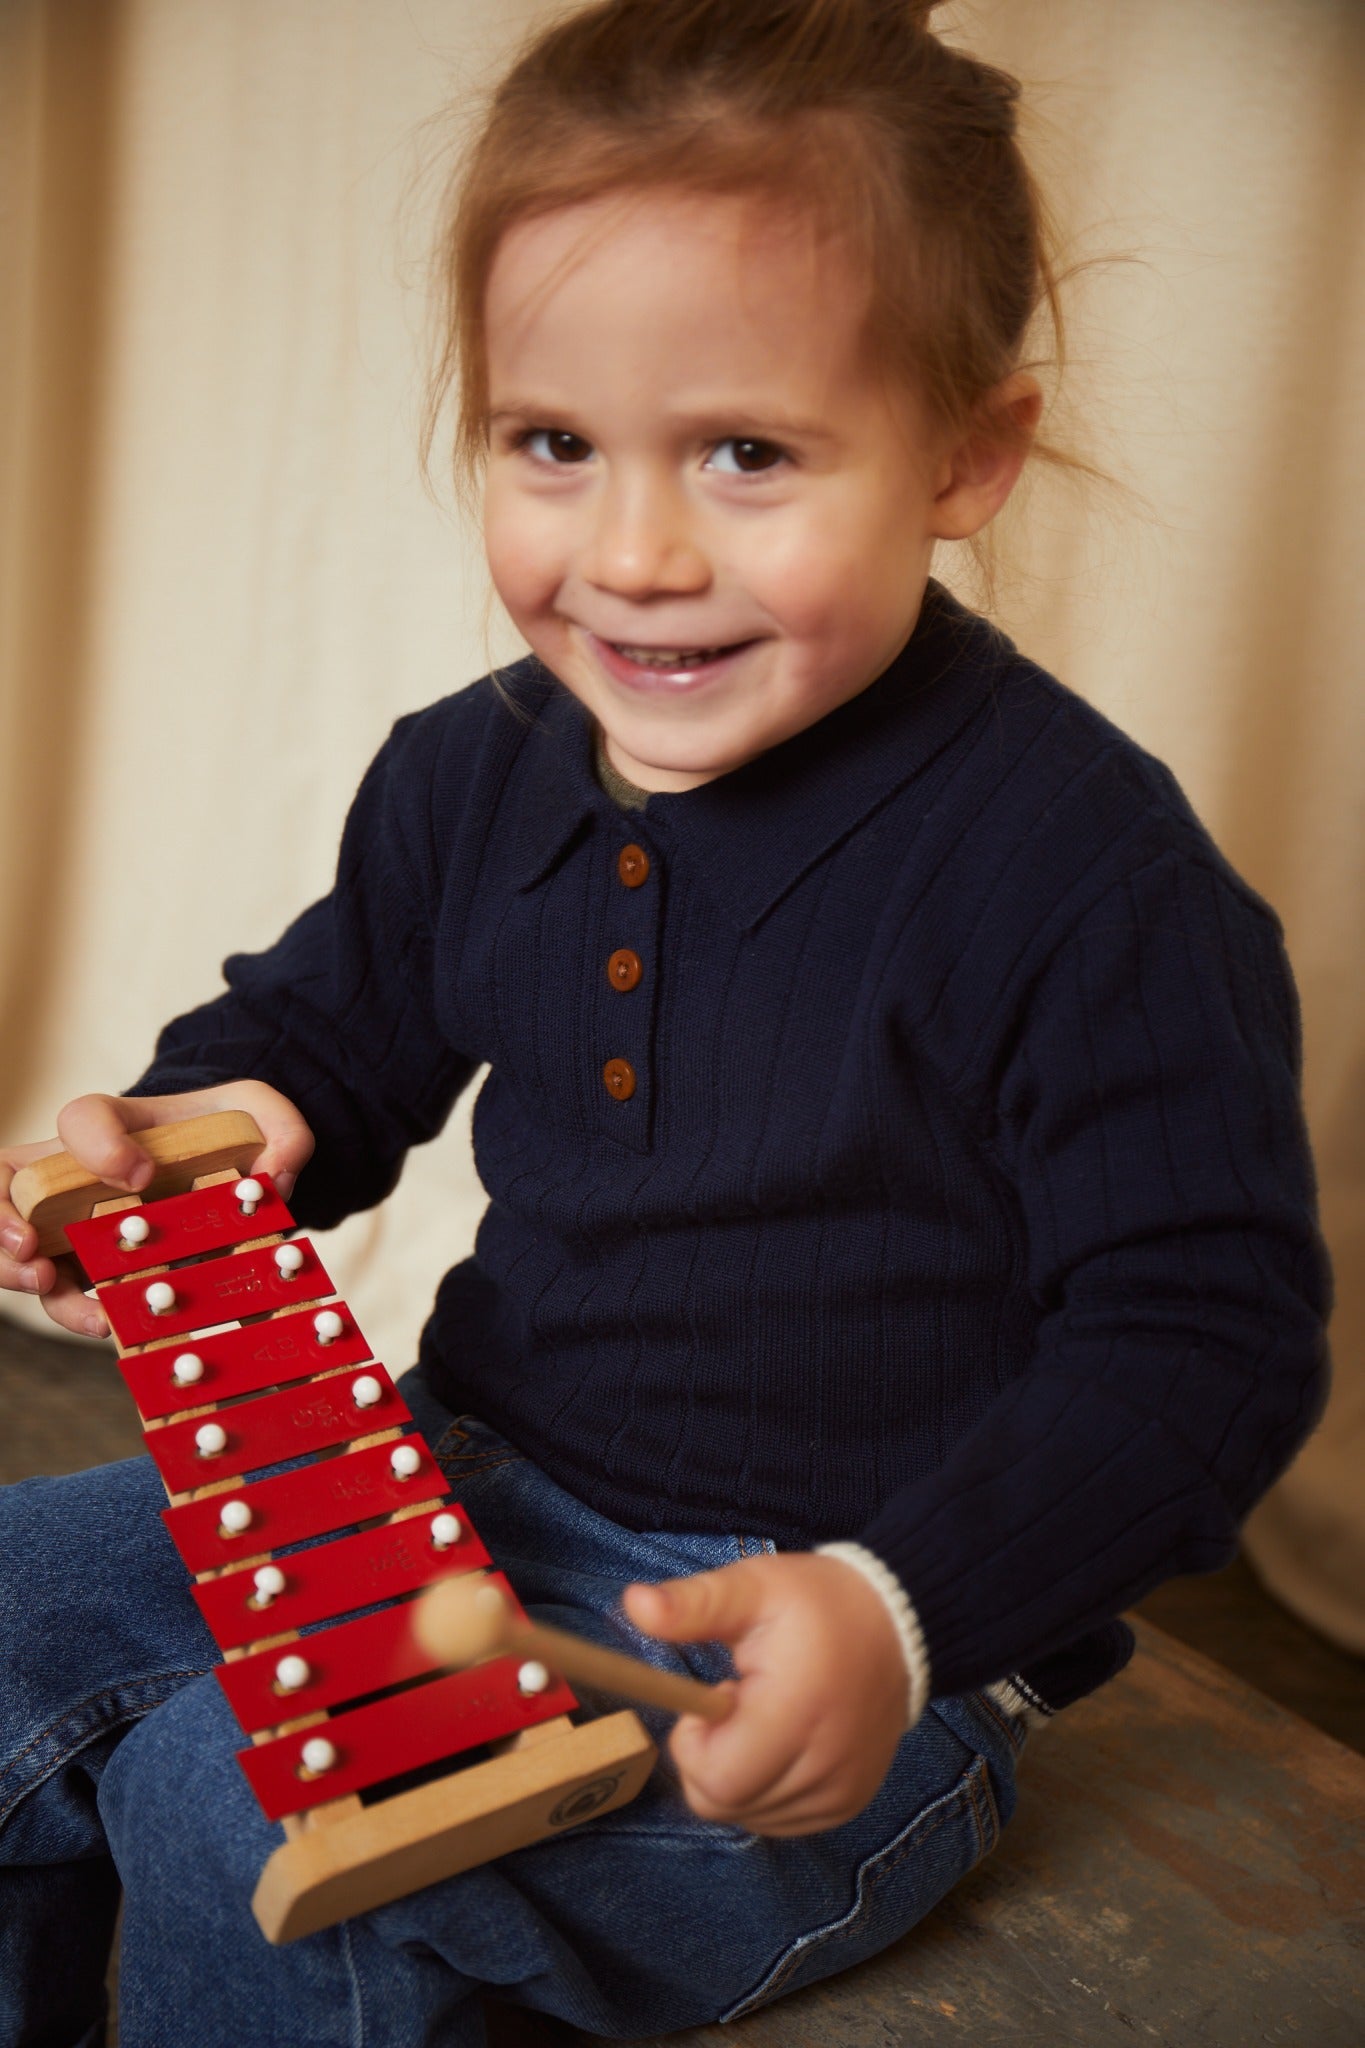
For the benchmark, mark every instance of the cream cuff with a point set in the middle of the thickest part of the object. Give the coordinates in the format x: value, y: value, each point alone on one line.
x: 1014, y: 1698
x: 897, y: 1602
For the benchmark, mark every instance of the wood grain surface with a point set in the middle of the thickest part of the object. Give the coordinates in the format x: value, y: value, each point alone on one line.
x: 1186, y: 1867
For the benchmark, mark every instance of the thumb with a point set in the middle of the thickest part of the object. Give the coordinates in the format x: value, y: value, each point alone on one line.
x: 95, y: 1131
x: 719, y: 1606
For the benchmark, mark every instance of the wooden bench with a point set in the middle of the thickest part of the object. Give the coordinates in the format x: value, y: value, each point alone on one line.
x: 1186, y: 1866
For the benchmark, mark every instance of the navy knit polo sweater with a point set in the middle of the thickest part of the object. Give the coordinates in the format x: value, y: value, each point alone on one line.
x: 939, y: 1181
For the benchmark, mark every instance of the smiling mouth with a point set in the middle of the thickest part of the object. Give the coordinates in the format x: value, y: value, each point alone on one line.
x: 674, y: 657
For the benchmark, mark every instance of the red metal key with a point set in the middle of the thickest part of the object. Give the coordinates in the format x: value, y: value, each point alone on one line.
x: 218, y: 1291
x: 398, y: 1734
x: 331, y: 1666
x: 287, y: 1347
x: 177, y: 1227
x: 252, y: 1434
x: 337, y: 1577
x: 263, y: 1514
x: 324, y: 1670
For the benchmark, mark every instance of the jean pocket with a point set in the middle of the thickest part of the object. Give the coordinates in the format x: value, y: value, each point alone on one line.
x: 468, y: 1445
x: 893, y: 1888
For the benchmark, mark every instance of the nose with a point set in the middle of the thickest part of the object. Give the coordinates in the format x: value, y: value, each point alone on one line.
x: 641, y: 541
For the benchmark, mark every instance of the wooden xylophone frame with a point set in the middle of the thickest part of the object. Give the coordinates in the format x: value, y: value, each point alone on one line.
x: 340, y: 1856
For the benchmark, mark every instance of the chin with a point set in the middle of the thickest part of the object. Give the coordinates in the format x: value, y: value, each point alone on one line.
x: 670, y: 778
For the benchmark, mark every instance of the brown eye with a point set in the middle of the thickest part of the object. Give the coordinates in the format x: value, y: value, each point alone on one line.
x: 746, y: 457
x: 557, y: 445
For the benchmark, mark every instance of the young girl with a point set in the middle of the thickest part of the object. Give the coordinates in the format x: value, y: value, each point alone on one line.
x: 900, y: 1251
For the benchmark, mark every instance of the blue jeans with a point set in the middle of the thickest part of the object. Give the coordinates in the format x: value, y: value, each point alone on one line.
x: 117, y: 1768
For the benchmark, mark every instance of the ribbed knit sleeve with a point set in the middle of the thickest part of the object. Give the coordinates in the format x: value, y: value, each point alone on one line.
x: 1143, y: 1104
x: 339, y: 1013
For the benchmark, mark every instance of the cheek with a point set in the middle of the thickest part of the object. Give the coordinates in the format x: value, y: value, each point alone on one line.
x: 519, y: 551
x: 845, y: 596
x: 819, y: 596
x: 497, y: 544
x: 818, y: 570
x: 778, y: 565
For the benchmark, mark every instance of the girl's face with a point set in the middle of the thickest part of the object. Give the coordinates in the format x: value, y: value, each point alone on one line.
x: 704, y: 511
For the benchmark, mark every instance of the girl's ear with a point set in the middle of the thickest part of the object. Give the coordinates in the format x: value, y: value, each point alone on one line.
x: 978, y: 475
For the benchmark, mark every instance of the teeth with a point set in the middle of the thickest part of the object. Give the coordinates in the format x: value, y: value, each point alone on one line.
x: 668, y: 657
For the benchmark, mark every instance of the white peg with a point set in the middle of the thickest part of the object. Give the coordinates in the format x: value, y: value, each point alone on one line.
x: 133, y: 1231
x: 234, y: 1517
x: 291, y: 1673
x: 317, y: 1755
x: 532, y: 1678
x: 327, y: 1326
x: 367, y: 1391
x: 188, y: 1369
x: 445, y: 1530
x: 210, y: 1438
x: 160, y: 1297
x: 269, y: 1583
x: 289, y: 1259
x: 250, y: 1194
x: 406, y: 1460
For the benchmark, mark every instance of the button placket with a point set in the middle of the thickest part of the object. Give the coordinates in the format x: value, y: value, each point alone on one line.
x: 626, y: 985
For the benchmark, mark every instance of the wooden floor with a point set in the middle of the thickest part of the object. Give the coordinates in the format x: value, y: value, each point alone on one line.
x: 1186, y: 1866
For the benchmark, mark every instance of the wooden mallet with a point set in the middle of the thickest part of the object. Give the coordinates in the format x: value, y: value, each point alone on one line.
x: 464, y: 1619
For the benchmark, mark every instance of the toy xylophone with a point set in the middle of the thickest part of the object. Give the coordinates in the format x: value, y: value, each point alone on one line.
x: 385, y: 1770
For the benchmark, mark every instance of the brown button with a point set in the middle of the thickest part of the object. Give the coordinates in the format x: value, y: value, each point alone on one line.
x: 632, y: 865
x: 624, y: 969
x: 619, y: 1076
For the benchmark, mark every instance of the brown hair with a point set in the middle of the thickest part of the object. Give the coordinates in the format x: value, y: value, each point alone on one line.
x: 906, y: 146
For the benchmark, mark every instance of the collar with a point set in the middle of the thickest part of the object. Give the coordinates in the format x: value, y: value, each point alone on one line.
x: 751, y: 835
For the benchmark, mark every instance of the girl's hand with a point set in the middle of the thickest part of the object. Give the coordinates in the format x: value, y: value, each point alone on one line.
x: 821, y: 1693
x: 100, y: 1132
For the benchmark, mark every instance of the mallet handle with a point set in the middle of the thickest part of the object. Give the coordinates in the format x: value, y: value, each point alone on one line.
x: 575, y: 1658
x: 631, y: 1677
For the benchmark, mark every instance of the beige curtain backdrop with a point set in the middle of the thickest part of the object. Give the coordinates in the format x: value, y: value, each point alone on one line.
x: 220, y: 579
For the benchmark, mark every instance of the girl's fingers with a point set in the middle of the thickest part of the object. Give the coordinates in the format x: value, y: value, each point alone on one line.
x: 288, y: 1139
x: 24, y: 1276
x: 100, y: 1130
x: 55, y: 1284
x: 95, y: 1131
x: 18, y: 1238
x: 717, y: 1606
x: 18, y: 1242
x: 798, y: 1820
x: 754, y: 1757
x: 734, y: 1802
x: 100, y: 1133
x: 69, y: 1307
x: 803, y: 1795
x: 54, y: 1281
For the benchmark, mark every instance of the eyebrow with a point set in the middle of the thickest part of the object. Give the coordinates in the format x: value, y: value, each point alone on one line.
x: 712, y: 422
